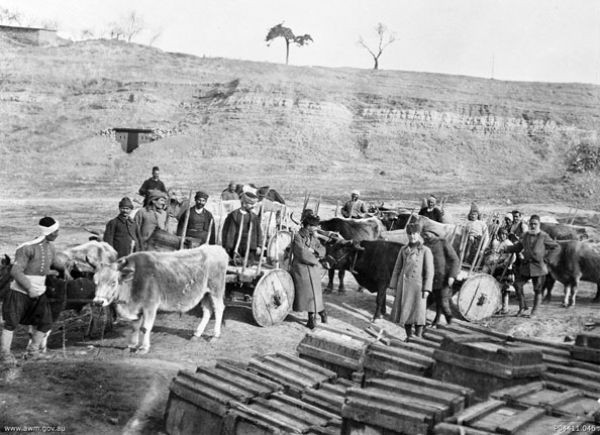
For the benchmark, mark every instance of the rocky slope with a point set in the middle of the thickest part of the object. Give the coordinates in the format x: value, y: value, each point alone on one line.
x: 389, y: 133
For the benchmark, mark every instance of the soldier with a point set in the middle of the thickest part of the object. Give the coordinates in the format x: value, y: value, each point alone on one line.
x: 306, y: 272
x: 26, y: 302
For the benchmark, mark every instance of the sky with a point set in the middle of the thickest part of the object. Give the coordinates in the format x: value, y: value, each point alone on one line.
x: 524, y: 40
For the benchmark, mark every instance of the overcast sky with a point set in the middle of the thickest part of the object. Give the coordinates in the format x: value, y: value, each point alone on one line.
x: 530, y: 40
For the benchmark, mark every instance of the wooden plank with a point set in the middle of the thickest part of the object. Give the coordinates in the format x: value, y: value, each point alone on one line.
x: 476, y: 412
x: 521, y: 420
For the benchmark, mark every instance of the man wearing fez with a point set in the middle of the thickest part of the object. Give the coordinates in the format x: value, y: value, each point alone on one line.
x: 200, y: 220
x: 152, y: 216
x: 121, y: 232
x: 235, y: 237
x: 26, y: 302
x: 152, y: 183
x: 431, y: 210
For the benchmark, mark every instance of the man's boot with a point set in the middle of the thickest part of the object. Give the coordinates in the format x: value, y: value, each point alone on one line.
x: 419, y: 330
x: 505, y: 301
x: 408, y: 330
x: 323, y: 315
x: 522, y: 304
x: 311, y: 321
x: 6, y: 356
x: 37, y: 340
x: 537, y: 299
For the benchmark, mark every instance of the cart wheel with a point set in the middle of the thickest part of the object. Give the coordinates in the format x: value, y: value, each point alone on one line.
x: 273, y: 297
x: 478, y: 298
x: 277, y: 250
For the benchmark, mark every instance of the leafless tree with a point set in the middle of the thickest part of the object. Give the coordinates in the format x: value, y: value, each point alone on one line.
x: 155, y: 36
x: 384, y: 37
x: 279, y: 31
x: 128, y: 27
x: 9, y: 17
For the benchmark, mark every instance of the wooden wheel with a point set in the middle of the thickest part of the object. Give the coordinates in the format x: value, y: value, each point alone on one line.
x: 478, y: 298
x: 273, y: 297
x: 277, y: 250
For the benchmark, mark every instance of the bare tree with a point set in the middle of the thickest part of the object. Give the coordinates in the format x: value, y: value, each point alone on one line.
x: 155, y: 36
x: 385, y: 38
x: 10, y: 17
x: 279, y: 31
x: 128, y: 27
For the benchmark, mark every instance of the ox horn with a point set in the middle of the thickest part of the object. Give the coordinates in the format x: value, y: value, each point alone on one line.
x: 6, y: 260
x: 292, y: 218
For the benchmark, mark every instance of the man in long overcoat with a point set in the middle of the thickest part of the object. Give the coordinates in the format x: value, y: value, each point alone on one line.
x: 447, y: 266
x: 412, y: 280
x: 535, y: 245
x: 306, y: 273
x: 121, y: 232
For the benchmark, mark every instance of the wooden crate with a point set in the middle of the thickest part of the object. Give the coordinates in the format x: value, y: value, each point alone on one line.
x: 587, y: 348
x: 499, y: 417
x: 335, y: 351
x: 486, y: 364
x: 456, y: 396
x: 380, y: 358
x: 294, y: 373
x: 559, y: 399
x: 280, y: 414
x: 198, y: 401
x: 378, y: 409
x: 329, y: 396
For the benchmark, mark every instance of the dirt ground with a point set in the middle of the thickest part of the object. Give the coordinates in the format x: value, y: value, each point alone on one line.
x: 98, y: 387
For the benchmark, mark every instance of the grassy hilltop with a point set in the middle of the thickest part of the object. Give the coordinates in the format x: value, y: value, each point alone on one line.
x: 392, y: 134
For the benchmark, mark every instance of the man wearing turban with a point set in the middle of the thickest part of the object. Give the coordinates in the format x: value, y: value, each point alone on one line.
x: 121, y: 232
x: 242, y: 229
x: 26, y: 301
x: 200, y: 222
x: 355, y: 208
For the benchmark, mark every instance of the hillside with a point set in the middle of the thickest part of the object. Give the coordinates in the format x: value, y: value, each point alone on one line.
x: 389, y: 133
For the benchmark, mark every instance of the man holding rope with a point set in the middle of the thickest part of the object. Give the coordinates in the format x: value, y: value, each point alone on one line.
x: 26, y: 302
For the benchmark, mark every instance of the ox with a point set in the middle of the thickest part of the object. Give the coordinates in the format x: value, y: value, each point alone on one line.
x: 145, y: 282
x: 77, y: 265
x: 375, y: 260
x: 86, y: 258
x: 355, y: 230
x: 564, y: 231
x: 572, y: 262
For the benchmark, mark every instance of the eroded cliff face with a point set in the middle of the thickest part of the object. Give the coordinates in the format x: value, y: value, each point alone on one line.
x: 369, y: 111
